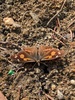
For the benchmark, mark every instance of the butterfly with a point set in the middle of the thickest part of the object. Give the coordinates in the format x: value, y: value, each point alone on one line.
x: 37, y: 54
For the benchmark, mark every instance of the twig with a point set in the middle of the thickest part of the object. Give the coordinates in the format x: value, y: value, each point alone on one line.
x: 9, y: 43
x: 60, y: 41
x: 48, y: 96
x: 56, y: 13
x: 3, y: 49
x: 71, y: 22
x: 17, y: 78
x: 5, y: 59
x: 18, y: 93
x: 57, y: 33
x: 71, y: 34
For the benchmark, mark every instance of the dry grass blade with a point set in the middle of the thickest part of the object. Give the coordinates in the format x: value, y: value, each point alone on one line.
x: 56, y: 13
x: 48, y: 96
x: 9, y: 44
x: 71, y: 22
x: 57, y: 33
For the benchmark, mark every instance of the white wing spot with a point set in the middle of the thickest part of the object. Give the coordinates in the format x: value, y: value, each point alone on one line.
x: 15, y: 56
x: 59, y: 53
x: 18, y: 60
x: 57, y: 56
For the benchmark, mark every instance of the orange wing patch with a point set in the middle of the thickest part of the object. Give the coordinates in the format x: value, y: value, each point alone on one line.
x: 22, y: 56
x: 26, y: 59
x: 48, y: 57
x: 53, y: 53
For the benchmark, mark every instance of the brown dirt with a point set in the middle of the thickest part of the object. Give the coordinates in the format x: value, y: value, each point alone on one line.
x: 56, y: 79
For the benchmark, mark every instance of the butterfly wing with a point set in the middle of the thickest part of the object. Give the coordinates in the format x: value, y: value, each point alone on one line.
x: 34, y: 54
x: 49, y: 53
x: 28, y: 54
x: 43, y: 51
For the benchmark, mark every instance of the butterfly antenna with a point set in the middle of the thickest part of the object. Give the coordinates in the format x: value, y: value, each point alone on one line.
x: 44, y: 64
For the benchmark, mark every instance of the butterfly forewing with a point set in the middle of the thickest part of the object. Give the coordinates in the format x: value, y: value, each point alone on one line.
x: 31, y: 52
x: 49, y: 53
x: 22, y: 57
x: 28, y: 54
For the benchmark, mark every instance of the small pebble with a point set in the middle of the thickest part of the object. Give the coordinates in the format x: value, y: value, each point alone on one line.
x: 31, y: 73
x: 26, y: 98
x: 37, y: 70
x: 60, y: 95
x: 49, y: 37
x: 46, y: 87
x: 72, y: 82
x: 10, y: 21
x: 53, y: 86
x: 73, y: 97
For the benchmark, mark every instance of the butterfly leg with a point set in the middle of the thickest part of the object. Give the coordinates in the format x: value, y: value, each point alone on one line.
x: 44, y: 64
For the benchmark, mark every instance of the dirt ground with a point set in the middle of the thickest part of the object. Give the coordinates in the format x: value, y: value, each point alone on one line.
x: 37, y: 22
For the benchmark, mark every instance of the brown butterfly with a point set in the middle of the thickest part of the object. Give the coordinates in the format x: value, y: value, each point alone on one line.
x: 37, y: 54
